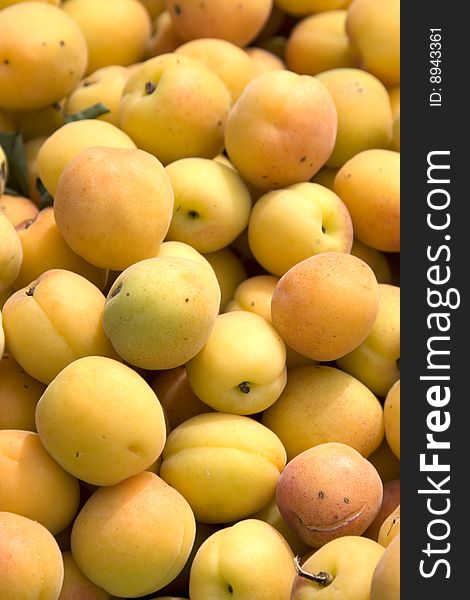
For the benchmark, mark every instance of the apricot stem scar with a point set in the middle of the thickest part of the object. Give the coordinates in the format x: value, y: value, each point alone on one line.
x: 321, y: 578
x: 244, y: 387
x: 150, y: 87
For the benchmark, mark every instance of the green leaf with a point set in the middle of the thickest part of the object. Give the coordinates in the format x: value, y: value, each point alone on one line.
x: 91, y: 112
x: 13, y: 146
x: 45, y: 198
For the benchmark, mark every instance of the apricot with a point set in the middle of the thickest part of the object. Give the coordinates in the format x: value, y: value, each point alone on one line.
x: 305, y: 7
x: 103, y: 86
x: 390, y: 501
x: 231, y: 63
x: 386, y: 463
x: 318, y: 405
x: 255, y: 375
x: 45, y: 62
x: 44, y: 248
x: 229, y: 270
x: 364, y: 113
x: 122, y: 426
x: 54, y: 320
x: 160, y: 311
x: 113, y: 206
x: 64, y: 144
x: 319, y: 42
x: 17, y: 208
x: 212, y: 204
x: 326, y: 305
x: 281, y: 130
x: 11, y: 253
x: 263, y: 60
x: 390, y: 528
x: 30, y: 560
x: 375, y: 361
x: 165, y: 37
x: 134, y: 537
x: 385, y: 583
x: 128, y: 21
x: 392, y: 418
x: 373, y: 26
x: 33, y: 484
x: 226, y: 466
x: 176, y: 396
x: 327, y: 492
x: 76, y: 586
x: 237, y: 21
x: 175, y: 107
x: 369, y: 185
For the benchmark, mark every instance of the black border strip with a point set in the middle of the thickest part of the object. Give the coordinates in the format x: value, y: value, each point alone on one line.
x: 443, y: 130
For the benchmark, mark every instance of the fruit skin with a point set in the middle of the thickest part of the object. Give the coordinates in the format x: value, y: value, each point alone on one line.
x: 165, y: 37
x: 385, y: 583
x: 237, y: 21
x: 45, y: 61
x: 101, y: 421
x: 113, y: 206
x: 318, y: 43
x: 104, y: 85
x: 134, y: 537
x: 176, y: 396
x: 160, y: 311
x: 386, y: 463
x: 319, y: 404
x: 327, y: 492
x: 271, y: 515
x: 33, y: 484
x: 373, y: 26
x: 392, y: 418
x: 281, y: 130
x: 175, y: 107
x: 318, y: 217
x: 304, y: 7
x: 232, y: 64
x: 212, y: 203
x: 179, y: 585
x: 254, y: 294
x: 44, y: 248
x: 369, y: 185
x: 374, y: 362
x: 264, y: 60
x: 364, y: 113
x: 376, y: 260
x: 255, y: 373
x: 390, y: 501
x: 30, y: 559
x: 326, y: 305
x: 66, y: 142
x: 54, y: 320
x: 76, y: 586
x: 128, y: 22
x: 181, y: 250
x: 17, y: 208
x: 351, y: 560
x: 390, y: 528
x: 232, y: 561
x: 226, y: 466
x: 19, y: 393
x: 2, y: 337
x: 229, y: 270
x: 11, y: 253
